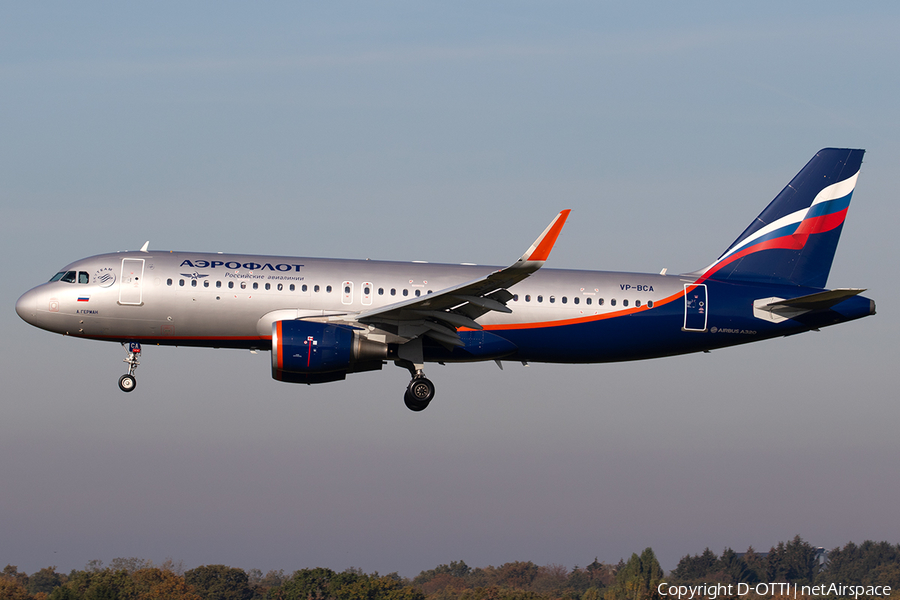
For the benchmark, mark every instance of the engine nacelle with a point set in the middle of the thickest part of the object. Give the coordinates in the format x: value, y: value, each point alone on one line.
x: 310, y: 352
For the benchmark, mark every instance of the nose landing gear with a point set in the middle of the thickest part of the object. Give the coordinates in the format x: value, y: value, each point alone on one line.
x: 127, y: 382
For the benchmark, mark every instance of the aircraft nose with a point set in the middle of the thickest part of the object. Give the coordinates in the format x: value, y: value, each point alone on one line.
x: 26, y: 306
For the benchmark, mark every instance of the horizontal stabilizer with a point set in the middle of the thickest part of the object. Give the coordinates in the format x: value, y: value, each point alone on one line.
x: 779, y: 309
x: 819, y: 301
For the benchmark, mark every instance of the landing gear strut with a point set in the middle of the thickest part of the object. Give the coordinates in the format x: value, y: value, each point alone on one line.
x: 420, y: 390
x: 127, y: 382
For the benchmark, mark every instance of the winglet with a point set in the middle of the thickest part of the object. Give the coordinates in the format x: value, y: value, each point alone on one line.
x: 540, y: 249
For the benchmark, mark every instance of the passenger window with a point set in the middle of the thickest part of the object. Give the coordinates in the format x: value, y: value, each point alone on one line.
x: 181, y: 282
x: 612, y: 302
x: 564, y: 299
x: 328, y: 289
x: 268, y: 286
x: 255, y: 286
x: 346, y: 289
x: 243, y: 285
x: 366, y: 290
x: 587, y: 301
x: 193, y: 283
x: 218, y: 284
x: 206, y: 283
x: 515, y: 297
x: 576, y: 300
x: 69, y: 277
x: 230, y: 285
x: 540, y: 298
x: 83, y: 277
x: 280, y: 286
x: 292, y: 287
x: 637, y: 302
x: 418, y: 293
x: 552, y: 299
x: 316, y: 288
x: 381, y: 291
x: 600, y: 302
x: 624, y: 302
x: 168, y: 282
x: 527, y: 297
x: 406, y: 292
x: 393, y: 292
x: 649, y: 303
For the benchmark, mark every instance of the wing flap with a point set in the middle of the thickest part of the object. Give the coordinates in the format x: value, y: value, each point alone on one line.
x: 485, y: 302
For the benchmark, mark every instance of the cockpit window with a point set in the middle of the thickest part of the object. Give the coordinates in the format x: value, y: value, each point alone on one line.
x: 83, y: 277
x: 57, y: 277
x: 68, y: 277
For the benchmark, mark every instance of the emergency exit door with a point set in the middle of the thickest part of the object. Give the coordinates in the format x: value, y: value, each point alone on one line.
x: 696, y: 307
x: 131, y: 281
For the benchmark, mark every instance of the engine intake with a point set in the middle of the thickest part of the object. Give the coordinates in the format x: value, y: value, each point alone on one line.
x: 310, y: 352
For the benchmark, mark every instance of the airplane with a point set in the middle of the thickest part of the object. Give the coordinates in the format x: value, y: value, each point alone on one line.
x: 322, y: 318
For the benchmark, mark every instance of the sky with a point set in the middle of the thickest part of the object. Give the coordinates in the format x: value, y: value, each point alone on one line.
x: 445, y: 132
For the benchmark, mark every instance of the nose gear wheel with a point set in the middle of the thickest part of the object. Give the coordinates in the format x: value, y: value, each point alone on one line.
x: 127, y: 382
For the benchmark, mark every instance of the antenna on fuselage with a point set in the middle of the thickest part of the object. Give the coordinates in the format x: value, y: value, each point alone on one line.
x: 145, y: 246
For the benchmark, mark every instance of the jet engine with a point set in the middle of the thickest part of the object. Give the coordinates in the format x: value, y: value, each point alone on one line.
x: 310, y: 352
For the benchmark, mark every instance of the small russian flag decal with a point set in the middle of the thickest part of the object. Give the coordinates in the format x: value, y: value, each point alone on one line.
x: 83, y: 298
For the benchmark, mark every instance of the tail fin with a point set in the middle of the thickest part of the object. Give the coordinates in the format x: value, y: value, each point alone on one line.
x: 793, y: 240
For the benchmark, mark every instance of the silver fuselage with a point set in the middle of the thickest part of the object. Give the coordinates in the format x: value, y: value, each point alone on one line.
x: 229, y: 300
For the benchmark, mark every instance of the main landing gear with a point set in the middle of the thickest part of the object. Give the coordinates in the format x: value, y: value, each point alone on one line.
x: 127, y: 382
x: 419, y: 393
x: 420, y: 390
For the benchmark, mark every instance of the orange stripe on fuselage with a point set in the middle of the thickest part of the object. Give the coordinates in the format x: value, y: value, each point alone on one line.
x: 585, y: 319
x: 212, y: 338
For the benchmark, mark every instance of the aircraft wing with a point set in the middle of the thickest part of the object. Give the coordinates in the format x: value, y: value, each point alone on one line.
x: 438, y: 315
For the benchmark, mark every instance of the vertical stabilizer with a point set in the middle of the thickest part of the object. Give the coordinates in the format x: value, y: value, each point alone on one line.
x: 793, y: 240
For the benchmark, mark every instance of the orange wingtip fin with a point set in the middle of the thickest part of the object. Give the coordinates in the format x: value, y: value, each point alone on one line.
x: 548, y: 239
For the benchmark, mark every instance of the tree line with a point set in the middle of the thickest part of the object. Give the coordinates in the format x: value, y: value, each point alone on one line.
x: 638, y: 578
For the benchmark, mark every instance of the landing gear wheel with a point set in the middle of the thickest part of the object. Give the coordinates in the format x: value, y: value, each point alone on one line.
x: 418, y: 394
x: 127, y: 383
x: 421, y: 389
x: 413, y: 404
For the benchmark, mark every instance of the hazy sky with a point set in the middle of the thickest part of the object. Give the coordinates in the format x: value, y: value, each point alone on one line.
x: 447, y: 132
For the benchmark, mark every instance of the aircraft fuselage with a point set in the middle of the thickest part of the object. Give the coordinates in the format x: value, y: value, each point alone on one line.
x: 570, y: 316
